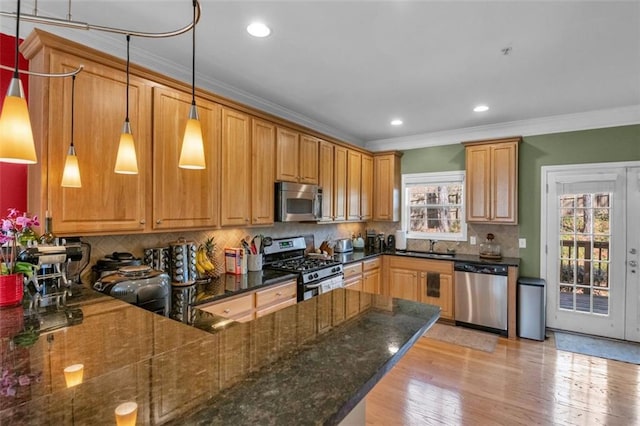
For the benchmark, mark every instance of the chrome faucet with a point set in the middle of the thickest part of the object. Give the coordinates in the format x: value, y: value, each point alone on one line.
x: 432, y: 243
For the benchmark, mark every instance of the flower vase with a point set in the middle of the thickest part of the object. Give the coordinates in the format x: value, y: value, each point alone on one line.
x: 11, y: 290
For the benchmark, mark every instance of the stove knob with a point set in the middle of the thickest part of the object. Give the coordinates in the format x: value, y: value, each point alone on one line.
x: 315, y: 275
x: 310, y: 277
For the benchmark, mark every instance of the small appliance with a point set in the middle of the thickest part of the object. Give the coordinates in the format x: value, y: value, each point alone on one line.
x: 112, y: 263
x: 296, y: 202
x: 139, y: 285
x: 344, y: 245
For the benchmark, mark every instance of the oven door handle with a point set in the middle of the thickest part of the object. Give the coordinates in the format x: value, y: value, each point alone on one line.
x: 313, y: 286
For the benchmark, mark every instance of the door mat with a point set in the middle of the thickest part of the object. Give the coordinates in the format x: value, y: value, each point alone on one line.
x: 598, y: 347
x: 460, y: 336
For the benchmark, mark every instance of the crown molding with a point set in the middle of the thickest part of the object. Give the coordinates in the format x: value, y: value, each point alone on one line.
x: 613, y: 117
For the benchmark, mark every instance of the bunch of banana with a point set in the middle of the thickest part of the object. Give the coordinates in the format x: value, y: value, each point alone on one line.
x: 204, y: 266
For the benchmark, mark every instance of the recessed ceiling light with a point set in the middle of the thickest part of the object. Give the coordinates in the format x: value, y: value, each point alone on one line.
x: 258, y: 29
x: 396, y: 122
x: 481, y: 108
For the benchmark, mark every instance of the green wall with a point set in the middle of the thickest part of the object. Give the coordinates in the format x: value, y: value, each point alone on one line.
x: 588, y: 146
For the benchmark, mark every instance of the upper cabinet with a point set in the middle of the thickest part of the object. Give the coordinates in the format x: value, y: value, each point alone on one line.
x: 106, y: 202
x: 235, y: 203
x: 366, y: 188
x: 297, y: 157
x: 326, y: 179
x: 354, y: 179
x: 183, y: 198
x: 263, y: 169
x: 386, y: 186
x: 492, y: 180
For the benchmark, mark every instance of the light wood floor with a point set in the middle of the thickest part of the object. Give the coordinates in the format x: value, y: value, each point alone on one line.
x: 522, y: 382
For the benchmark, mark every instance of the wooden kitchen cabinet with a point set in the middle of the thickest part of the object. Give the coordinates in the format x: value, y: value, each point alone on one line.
x: 263, y: 171
x: 340, y: 183
x: 492, y: 180
x: 275, y: 298
x: 371, y: 272
x: 106, y: 202
x: 297, y: 157
x: 408, y: 278
x: 366, y: 188
x: 309, y: 159
x: 354, y: 180
x: 235, y: 164
x: 183, y: 198
x: 326, y: 179
x: 237, y: 308
x: 386, y: 186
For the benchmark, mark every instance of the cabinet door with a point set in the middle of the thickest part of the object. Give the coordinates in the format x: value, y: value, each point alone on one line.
x: 366, y: 188
x: 478, y: 161
x: 308, y: 166
x: 386, y: 187
x: 403, y: 283
x: 325, y: 179
x: 352, y: 299
x: 106, y: 202
x: 354, y: 178
x: 287, y: 155
x: 504, y: 183
x: 183, y: 198
x: 263, y: 171
x: 371, y: 281
x: 340, y: 183
x: 445, y: 298
x: 236, y: 169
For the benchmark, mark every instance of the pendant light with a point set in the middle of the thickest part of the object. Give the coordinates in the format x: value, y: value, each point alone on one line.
x: 126, y: 160
x: 192, y: 153
x: 71, y: 172
x: 16, y: 136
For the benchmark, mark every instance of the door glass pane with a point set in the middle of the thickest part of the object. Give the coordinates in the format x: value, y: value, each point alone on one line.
x: 584, y: 234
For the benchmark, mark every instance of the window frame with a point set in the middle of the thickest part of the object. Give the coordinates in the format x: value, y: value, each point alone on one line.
x: 450, y: 177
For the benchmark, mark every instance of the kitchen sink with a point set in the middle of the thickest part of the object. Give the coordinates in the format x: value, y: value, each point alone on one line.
x: 427, y: 254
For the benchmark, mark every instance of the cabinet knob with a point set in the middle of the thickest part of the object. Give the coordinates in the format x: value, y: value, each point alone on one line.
x: 226, y: 311
x: 142, y: 222
x: 278, y: 294
x: 159, y: 221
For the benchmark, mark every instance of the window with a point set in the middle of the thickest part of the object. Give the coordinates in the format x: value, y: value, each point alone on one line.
x: 433, y: 206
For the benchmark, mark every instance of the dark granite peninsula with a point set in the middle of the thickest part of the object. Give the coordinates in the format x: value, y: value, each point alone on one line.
x: 310, y: 363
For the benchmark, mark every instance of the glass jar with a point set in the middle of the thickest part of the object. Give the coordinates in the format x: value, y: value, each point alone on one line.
x: 489, y: 248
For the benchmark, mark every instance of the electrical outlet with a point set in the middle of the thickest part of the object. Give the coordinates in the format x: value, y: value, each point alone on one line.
x: 522, y: 243
x: 472, y: 240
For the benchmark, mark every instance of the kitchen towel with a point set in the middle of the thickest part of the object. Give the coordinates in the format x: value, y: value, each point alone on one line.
x: 433, y: 284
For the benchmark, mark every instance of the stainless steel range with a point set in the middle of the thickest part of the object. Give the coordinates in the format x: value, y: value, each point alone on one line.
x: 316, y: 275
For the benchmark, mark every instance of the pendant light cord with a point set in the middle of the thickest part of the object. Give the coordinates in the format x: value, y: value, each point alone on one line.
x: 128, y: 41
x: 193, y: 56
x: 16, y: 74
x: 73, y: 96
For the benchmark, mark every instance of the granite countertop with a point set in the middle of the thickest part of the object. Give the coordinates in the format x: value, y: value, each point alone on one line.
x: 305, y: 364
x: 357, y: 256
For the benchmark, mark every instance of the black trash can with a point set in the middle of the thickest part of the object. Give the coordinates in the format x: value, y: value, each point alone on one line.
x: 532, y: 304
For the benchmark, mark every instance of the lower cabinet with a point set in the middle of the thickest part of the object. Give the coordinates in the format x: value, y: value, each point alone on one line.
x: 422, y: 280
x: 256, y: 304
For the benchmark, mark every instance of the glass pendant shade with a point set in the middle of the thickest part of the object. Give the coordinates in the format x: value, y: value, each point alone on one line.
x: 16, y: 136
x: 192, y: 153
x: 71, y: 172
x: 126, y: 161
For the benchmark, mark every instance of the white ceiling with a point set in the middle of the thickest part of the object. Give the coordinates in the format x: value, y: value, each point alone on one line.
x: 348, y: 68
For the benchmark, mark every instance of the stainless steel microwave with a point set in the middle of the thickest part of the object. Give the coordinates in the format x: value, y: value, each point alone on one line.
x: 298, y: 202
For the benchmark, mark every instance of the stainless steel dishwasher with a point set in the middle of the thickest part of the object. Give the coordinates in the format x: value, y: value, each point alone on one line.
x: 481, y: 296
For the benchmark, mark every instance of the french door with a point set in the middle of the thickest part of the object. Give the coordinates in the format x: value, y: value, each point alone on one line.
x: 590, y: 236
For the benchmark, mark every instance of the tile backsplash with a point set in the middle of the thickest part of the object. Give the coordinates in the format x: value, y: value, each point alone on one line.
x: 505, y: 235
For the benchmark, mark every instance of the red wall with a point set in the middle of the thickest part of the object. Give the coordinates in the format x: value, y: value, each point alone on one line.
x: 13, y: 177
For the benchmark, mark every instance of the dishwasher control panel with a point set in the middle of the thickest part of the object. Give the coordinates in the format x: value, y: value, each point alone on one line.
x: 480, y: 268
